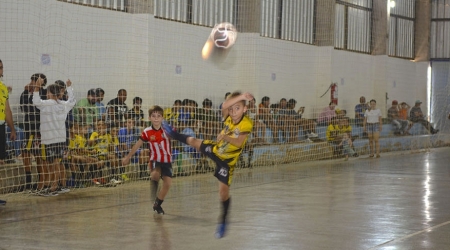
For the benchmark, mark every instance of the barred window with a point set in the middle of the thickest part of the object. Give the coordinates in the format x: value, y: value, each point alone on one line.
x: 353, y: 26
x: 440, y: 29
x: 290, y: 20
x: 401, y: 29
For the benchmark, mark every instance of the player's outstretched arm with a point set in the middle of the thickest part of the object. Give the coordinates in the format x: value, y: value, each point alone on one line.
x: 136, y: 146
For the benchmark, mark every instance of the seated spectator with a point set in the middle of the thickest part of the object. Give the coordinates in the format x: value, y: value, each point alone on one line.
x: 332, y: 135
x: 341, y: 113
x: 207, y: 121
x: 326, y: 115
x: 100, y: 94
x: 186, y: 114
x: 80, y: 157
x: 281, y: 119
x: 128, y: 136
x: 258, y: 125
x: 171, y: 114
x: 265, y: 114
x: 416, y: 116
x: 401, y: 127
x: 347, y: 144
x: 105, y: 148
x: 360, y: 109
x: 308, y: 126
x: 116, y: 109
x: 85, y: 111
x: 136, y: 113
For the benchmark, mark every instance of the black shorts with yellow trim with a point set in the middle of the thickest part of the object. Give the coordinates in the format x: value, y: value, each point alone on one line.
x: 32, y: 144
x: 223, y: 171
x: 166, y: 168
x: 52, y: 152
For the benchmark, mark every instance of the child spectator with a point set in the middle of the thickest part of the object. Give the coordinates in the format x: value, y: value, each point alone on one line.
x: 346, y: 144
x: 160, y: 156
x: 129, y: 136
x: 53, y: 131
x: 105, y: 149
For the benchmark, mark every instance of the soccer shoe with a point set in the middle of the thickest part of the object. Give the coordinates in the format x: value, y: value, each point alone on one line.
x: 115, y: 182
x: 158, y: 209
x: 62, y: 190
x: 167, y: 128
x: 312, y: 135
x: 220, y: 232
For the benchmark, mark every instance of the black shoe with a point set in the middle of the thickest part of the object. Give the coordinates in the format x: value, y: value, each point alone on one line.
x: 158, y: 209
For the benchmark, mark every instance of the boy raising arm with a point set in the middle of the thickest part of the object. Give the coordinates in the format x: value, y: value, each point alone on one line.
x: 226, y: 150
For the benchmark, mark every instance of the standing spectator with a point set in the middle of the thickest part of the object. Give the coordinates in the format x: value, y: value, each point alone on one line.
x: 86, y: 111
x: 53, y: 131
x: 116, y: 109
x: 100, y: 94
x: 416, y: 115
x: 400, y: 126
x: 360, y: 109
x: 327, y: 114
x: 5, y: 117
x: 136, y: 113
x: 282, y: 119
x: 32, y: 118
x: 373, y: 125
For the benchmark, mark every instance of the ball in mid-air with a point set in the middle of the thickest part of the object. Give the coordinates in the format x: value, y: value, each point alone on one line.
x: 224, y: 35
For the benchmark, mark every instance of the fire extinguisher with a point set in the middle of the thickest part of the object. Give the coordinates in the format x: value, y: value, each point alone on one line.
x: 334, y: 93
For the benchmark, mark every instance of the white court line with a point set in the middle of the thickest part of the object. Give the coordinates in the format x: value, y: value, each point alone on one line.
x: 411, y: 235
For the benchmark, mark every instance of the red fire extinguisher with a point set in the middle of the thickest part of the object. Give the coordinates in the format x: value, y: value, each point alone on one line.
x: 334, y: 93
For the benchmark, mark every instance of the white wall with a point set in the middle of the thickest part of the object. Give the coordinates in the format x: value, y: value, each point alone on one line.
x: 101, y: 48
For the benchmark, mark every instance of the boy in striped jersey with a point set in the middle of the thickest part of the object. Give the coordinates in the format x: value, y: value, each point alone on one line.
x: 160, y: 156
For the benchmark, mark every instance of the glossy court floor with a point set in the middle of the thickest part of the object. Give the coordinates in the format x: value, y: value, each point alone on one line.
x: 400, y: 201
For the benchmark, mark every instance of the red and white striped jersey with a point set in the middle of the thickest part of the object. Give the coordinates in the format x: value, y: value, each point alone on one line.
x: 159, y: 143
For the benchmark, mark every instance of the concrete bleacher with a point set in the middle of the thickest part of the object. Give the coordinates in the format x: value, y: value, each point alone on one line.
x: 273, y: 154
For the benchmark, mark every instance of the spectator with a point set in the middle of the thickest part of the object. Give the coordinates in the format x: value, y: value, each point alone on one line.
x: 85, y: 111
x: 185, y: 116
x: 373, y: 125
x: 100, y: 94
x: 327, y: 114
x: 416, y: 116
x: 171, y: 114
x: 5, y: 117
x: 308, y: 126
x: 400, y: 126
x: 360, y: 109
x: 403, y: 111
x: 346, y: 144
x: 266, y: 115
x: 333, y: 136
x: 116, y: 109
x: 32, y: 119
x: 128, y: 136
x: 207, y: 120
x: 258, y: 124
x: 282, y: 119
x: 136, y: 113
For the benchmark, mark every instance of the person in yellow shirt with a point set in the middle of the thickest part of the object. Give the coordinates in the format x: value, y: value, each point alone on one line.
x: 104, y: 145
x: 5, y: 118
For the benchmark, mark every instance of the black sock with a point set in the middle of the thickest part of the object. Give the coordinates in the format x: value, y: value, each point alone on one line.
x: 28, y: 179
x: 225, y: 206
x: 158, y: 202
x: 179, y: 137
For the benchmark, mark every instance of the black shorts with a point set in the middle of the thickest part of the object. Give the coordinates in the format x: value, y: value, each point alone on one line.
x: 53, y: 151
x: 223, y: 171
x: 166, y: 168
x: 2, y: 142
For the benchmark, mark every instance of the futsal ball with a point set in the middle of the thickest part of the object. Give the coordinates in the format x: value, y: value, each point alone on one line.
x: 224, y: 35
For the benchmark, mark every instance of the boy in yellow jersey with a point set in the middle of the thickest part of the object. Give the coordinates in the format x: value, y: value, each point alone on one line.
x: 104, y: 145
x: 79, y: 153
x: 225, y: 152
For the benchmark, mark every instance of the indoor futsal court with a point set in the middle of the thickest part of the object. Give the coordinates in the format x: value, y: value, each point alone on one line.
x: 332, y: 116
x: 399, y: 201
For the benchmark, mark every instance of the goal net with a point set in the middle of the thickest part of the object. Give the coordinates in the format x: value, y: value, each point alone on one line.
x: 308, y: 64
